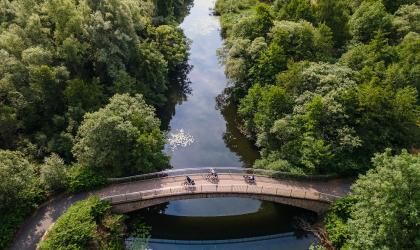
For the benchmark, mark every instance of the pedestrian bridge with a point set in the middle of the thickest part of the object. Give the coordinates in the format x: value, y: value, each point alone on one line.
x: 314, y: 193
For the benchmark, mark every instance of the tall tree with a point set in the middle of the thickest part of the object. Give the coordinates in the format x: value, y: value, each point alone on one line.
x: 385, y: 215
x: 335, y: 14
x: 122, y: 138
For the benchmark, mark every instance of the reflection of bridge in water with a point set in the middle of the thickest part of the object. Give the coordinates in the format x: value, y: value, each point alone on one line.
x: 314, y: 193
x: 277, y: 241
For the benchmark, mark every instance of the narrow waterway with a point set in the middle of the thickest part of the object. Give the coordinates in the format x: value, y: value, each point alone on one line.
x: 210, y: 139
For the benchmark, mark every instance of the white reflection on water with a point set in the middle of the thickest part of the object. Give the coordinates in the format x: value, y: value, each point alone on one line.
x: 180, y: 138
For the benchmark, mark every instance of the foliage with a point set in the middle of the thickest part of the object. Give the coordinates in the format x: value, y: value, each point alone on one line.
x: 381, y: 212
x: 82, y: 178
x: 121, y: 138
x: 227, y: 6
x: 54, y: 173
x: 20, y: 193
x: 316, y: 247
x: 407, y: 19
x: 86, y: 224
x: 350, y: 73
x: 393, y: 5
x: 369, y: 18
x: 61, y: 59
x: 171, y: 10
x: 139, y: 237
x: 334, y: 14
x: 385, y: 215
x: 262, y: 106
x: 298, y: 40
x: 295, y: 10
x: 336, y: 221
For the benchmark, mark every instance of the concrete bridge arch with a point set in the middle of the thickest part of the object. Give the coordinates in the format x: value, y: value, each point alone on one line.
x: 311, y: 193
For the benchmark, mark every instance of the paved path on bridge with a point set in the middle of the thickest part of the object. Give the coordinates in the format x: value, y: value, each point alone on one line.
x: 334, y: 187
x: 35, y: 226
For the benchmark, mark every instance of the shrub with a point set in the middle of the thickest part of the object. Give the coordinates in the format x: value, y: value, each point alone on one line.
x: 81, y: 178
x: 86, y: 224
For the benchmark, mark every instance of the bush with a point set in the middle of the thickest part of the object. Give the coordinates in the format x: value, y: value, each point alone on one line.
x: 370, y: 18
x: 81, y: 178
x: 54, y: 173
x: 336, y: 221
x: 20, y: 193
x: 87, y: 224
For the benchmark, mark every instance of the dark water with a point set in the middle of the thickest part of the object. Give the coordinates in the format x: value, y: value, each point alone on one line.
x: 270, y: 219
x: 218, y: 143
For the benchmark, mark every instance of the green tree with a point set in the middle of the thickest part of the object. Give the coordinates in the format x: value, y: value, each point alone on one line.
x: 121, y: 139
x: 296, y: 10
x: 299, y: 40
x: 370, y: 18
x: 262, y: 106
x: 86, y: 224
x: 407, y: 19
x: 334, y: 14
x: 17, y: 177
x: 20, y: 193
x: 385, y: 215
x: 54, y: 173
x: 336, y: 221
x: 406, y: 70
x: 393, y: 5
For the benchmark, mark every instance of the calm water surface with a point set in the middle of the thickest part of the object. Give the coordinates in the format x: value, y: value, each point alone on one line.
x: 218, y: 143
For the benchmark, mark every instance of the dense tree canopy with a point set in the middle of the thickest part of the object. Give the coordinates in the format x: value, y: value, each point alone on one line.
x: 382, y: 211
x: 368, y: 19
x: 20, y: 192
x: 386, y: 214
x: 61, y: 59
x: 329, y: 85
x: 122, y: 138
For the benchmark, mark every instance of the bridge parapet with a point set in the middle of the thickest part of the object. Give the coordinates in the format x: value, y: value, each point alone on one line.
x: 219, y: 189
x: 223, y: 170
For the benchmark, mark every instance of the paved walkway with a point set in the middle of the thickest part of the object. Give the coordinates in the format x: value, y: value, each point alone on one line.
x: 35, y: 226
x: 333, y: 188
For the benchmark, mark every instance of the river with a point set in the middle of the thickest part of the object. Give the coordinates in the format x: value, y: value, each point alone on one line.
x: 211, y: 139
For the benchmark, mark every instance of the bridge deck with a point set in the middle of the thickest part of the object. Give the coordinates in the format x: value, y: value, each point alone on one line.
x: 228, y: 183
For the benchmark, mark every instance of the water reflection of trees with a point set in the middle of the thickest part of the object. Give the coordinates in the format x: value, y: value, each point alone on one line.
x: 236, y: 141
x: 172, y: 10
x: 177, y: 94
x: 179, y: 88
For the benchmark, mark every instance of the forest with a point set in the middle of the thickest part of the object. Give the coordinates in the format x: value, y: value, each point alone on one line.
x: 331, y: 87
x: 321, y: 87
x: 78, y: 78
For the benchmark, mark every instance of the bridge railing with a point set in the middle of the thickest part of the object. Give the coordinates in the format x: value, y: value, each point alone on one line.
x: 212, y: 189
x: 197, y: 171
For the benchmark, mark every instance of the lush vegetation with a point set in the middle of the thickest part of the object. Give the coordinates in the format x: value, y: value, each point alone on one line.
x: 321, y: 86
x: 382, y: 211
x: 79, y: 85
x: 61, y: 59
x: 87, y: 224
x: 20, y: 192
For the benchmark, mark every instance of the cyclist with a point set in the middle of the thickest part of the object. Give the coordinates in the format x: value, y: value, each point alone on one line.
x: 190, y: 181
x: 213, y: 172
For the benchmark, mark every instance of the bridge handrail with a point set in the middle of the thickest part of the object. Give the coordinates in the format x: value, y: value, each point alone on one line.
x: 211, y: 188
x: 222, y: 170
